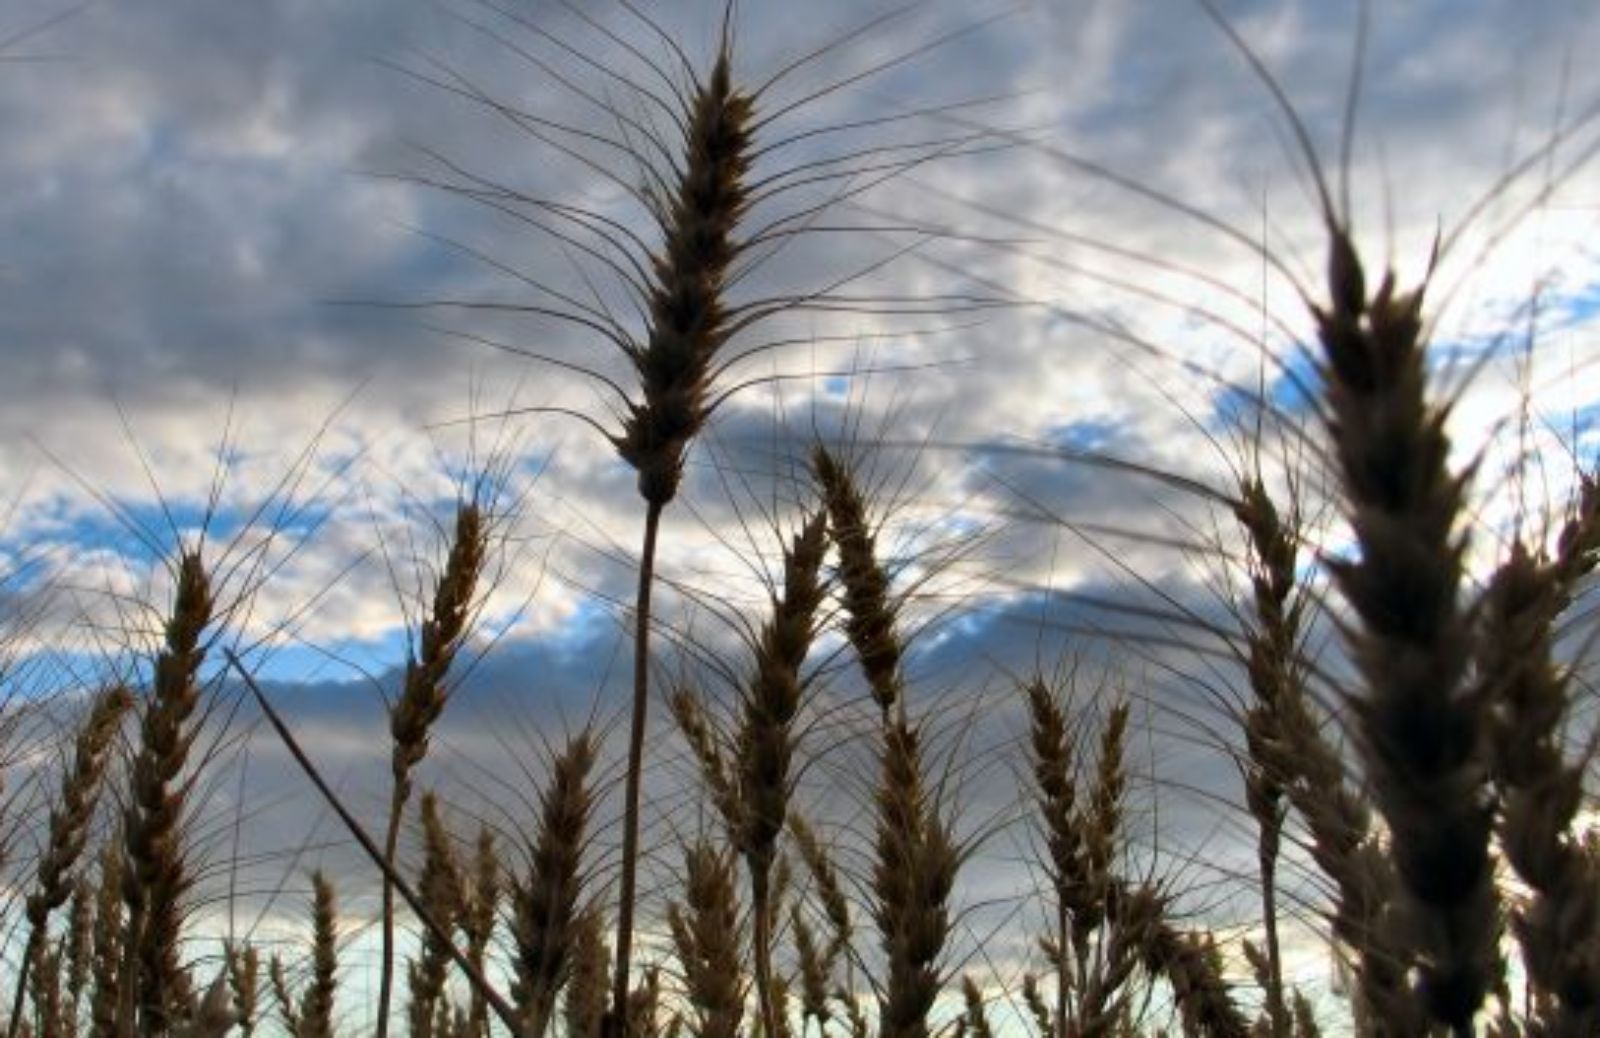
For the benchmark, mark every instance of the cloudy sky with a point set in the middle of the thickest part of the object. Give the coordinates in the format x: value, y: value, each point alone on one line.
x: 258, y: 280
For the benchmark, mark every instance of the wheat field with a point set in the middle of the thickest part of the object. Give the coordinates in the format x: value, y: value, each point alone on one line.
x: 693, y: 519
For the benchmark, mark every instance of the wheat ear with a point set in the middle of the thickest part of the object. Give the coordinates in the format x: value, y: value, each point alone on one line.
x: 870, y: 620
x: 1422, y: 730
x: 501, y: 1008
x: 439, y: 885
x: 316, y: 1006
x: 478, y: 918
x: 828, y: 889
x: 1288, y: 750
x: 766, y: 742
x: 1051, y: 742
x: 422, y: 700
x: 69, y: 829
x: 546, y: 907
x: 79, y: 948
x: 1274, y: 668
x: 105, y: 1000
x: 705, y: 932
x: 912, y: 879
x: 584, y: 1000
x: 1559, y: 925
x: 212, y: 1015
x: 975, y: 1020
x: 244, y: 977
x: 1193, y: 967
x: 154, y: 989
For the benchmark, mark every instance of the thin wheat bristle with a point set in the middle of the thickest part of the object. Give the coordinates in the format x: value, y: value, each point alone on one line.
x: 1422, y: 731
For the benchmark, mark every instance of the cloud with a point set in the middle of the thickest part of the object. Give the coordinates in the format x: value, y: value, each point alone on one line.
x: 204, y: 210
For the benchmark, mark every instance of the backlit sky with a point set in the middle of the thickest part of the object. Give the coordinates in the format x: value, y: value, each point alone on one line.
x: 208, y: 209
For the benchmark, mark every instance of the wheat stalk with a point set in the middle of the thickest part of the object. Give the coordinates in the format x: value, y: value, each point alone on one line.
x: 1291, y: 756
x: 766, y: 743
x: 422, y: 699
x: 154, y: 989
x: 688, y: 325
x: 68, y: 832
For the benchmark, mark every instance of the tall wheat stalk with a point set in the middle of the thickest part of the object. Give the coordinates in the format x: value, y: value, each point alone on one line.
x: 422, y: 699
x: 688, y: 326
x: 1289, y: 752
x: 153, y: 987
